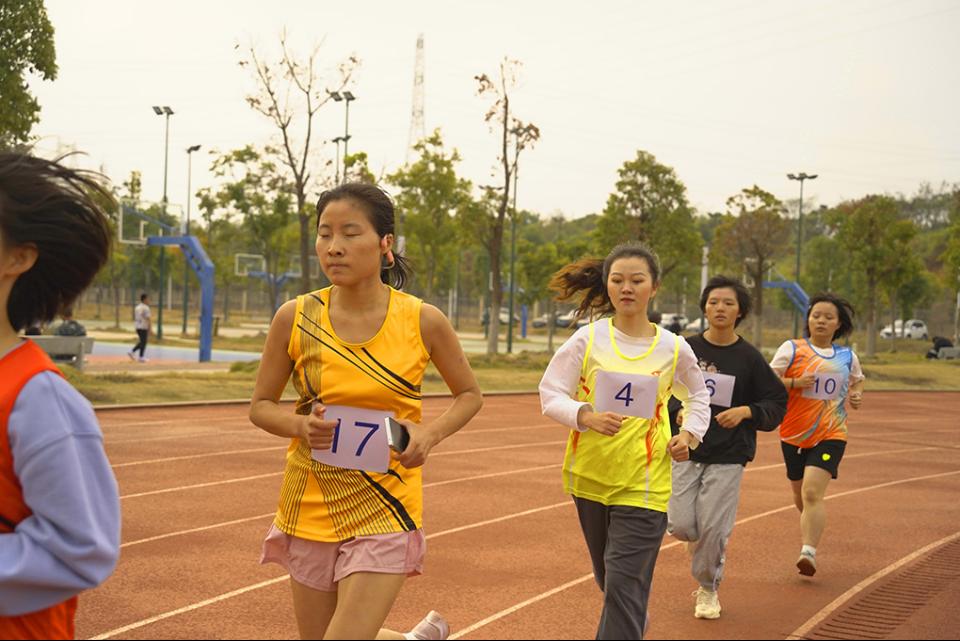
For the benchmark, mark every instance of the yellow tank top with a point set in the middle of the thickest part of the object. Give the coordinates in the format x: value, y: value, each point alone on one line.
x: 326, y: 503
x: 633, y: 467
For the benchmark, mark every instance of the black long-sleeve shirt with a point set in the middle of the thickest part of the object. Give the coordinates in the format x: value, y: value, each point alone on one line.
x: 756, y: 386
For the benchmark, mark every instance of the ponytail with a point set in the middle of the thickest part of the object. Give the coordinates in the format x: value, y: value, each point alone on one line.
x: 589, y: 275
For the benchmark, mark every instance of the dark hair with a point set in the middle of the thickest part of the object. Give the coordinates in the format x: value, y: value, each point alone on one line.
x: 590, y: 275
x: 58, y: 210
x: 744, y: 302
x: 844, y: 312
x: 143, y: 297
x: 379, y: 209
x: 654, y: 316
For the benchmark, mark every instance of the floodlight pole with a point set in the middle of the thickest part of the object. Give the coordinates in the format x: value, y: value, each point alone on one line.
x: 186, y: 232
x: 167, y: 112
x: 801, y: 177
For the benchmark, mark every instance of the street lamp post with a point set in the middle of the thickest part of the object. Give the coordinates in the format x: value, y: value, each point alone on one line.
x: 513, y: 260
x: 348, y: 97
x: 337, y: 141
x: 166, y: 112
x: 186, y: 232
x: 801, y: 177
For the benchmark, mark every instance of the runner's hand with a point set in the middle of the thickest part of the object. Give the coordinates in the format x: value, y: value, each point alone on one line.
x: 729, y: 419
x: 856, y: 400
x: 316, y: 432
x: 806, y: 380
x: 679, y: 446
x: 606, y: 423
x: 422, y: 440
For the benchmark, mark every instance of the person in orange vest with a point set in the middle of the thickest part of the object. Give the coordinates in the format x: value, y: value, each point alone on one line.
x: 59, y: 506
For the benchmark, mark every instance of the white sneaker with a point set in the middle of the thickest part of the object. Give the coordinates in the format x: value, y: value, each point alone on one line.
x: 132, y: 357
x: 807, y: 564
x: 708, y: 604
x: 433, y: 626
x: 143, y: 360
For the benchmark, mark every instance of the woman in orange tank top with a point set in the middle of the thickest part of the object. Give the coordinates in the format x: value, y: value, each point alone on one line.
x: 821, y: 377
x: 348, y: 531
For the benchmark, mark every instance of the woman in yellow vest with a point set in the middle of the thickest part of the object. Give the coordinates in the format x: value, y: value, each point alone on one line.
x: 610, y: 384
x: 349, y: 523
x: 820, y: 377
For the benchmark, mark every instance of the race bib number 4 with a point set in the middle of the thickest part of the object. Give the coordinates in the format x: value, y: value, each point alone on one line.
x: 630, y: 394
x: 720, y: 387
x: 826, y: 387
x: 359, y: 440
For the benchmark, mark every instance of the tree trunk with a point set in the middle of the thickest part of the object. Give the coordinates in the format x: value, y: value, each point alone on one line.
x: 306, y: 249
x: 551, y: 324
x: 758, y: 312
x: 871, y: 317
x: 496, y: 296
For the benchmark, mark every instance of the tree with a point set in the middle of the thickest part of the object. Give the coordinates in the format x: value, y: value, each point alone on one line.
x: 430, y: 196
x: 650, y: 205
x: 515, y: 136
x: 27, y: 49
x: 257, y: 190
x: 753, y: 234
x: 289, y: 95
x: 951, y: 258
x: 869, y: 230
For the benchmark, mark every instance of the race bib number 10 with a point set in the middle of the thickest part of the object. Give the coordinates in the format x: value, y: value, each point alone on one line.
x: 826, y: 387
x: 630, y: 394
x: 720, y: 387
x: 359, y: 440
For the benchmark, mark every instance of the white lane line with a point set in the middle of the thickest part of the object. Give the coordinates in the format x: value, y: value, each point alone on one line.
x: 199, y: 485
x: 846, y: 456
x: 496, y: 449
x: 195, y: 456
x: 262, y: 516
x: 815, y: 620
x: 174, y: 421
x: 502, y: 613
x: 263, y: 584
x: 173, y: 437
x: 190, y: 608
x: 508, y: 611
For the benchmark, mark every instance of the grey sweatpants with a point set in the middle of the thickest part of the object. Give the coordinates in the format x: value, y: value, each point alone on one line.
x: 703, y: 509
x: 624, y: 542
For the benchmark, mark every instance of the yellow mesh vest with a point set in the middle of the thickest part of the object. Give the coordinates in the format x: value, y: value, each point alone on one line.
x: 325, y: 503
x: 633, y: 467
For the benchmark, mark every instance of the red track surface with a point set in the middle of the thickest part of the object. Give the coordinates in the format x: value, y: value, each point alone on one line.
x: 200, y: 484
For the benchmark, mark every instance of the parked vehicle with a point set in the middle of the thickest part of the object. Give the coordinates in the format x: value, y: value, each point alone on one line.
x: 505, y: 316
x: 915, y: 329
x: 668, y: 319
x: 694, y: 325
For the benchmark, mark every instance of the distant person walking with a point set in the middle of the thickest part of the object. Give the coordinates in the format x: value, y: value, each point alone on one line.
x: 141, y: 322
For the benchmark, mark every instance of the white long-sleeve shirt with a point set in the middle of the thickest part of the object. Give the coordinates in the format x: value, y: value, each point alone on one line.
x: 558, y: 387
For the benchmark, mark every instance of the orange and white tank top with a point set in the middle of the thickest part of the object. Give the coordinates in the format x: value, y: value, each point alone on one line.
x: 817, y: 413
x: 321, y: 502
x: 632, y: 467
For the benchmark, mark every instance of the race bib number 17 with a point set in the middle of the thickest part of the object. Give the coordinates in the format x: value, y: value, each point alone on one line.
x: 629, y: 394
x: 359, y: 440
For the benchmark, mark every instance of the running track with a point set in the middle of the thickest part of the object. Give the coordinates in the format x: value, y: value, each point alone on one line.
x: 505, y: 556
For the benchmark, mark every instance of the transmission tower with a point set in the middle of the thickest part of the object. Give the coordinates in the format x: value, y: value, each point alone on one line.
x: 418, y: 128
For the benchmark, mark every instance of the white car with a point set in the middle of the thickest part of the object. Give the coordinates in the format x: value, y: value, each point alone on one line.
x: 694, y: 325
x: 915, y: 329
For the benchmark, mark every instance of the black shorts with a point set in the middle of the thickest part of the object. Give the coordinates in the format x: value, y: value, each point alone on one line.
x: 826, y: 455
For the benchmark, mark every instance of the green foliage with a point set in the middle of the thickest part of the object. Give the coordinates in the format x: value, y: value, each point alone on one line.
x: 26, y: 48
x: 431, y: 197
x: 650, y: 205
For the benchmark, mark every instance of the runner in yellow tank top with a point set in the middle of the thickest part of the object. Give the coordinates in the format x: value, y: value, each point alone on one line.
x: 350, y: 537
x: 610, y: 384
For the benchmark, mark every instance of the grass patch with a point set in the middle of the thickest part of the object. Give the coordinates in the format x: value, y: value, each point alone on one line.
x: 906, y: 370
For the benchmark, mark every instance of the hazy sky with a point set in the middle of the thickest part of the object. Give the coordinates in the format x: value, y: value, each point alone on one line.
x: 864, y: 93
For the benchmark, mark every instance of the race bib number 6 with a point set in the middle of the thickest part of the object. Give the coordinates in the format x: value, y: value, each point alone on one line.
x: 826, y: 387
x: 359, y: 440
x: 720, y: 387
x: 630, y: 394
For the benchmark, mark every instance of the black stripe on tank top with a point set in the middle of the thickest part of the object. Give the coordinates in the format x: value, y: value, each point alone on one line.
x: 8, y: 524
x: 401, y: 512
